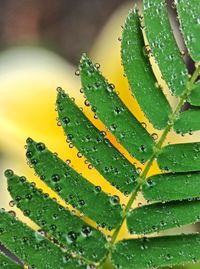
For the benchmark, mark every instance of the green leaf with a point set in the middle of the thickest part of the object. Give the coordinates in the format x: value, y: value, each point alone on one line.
x: 111, y: 111
x: 95, y: 146
x: 7, y: 263
x: 194, y: 97
x: 31, y: 247
x: 66, y: 182
x: 60, y: 223
x: 163, y: 45
x: 169, y: 187
x: 157, y: 251
x: 65, y: 240
x: 140, y: 75
x: 188, y: 14
x: 159, y: 216
x: 188, y: 121
x: 180, y: 157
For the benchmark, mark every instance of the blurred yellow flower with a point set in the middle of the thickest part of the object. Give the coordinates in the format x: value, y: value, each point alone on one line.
x: 29, y: 77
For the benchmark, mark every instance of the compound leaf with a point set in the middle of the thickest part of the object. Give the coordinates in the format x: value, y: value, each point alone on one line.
x: 95, y: 146
x: 157, y: 251
x: 159, y: 216
x: 33, y: 248
x: 180, y: 157
x: 188, y: 14
x: 169, y: 187
x: 140, y: 75
x: 66, y: 182
x: 66, y: 240
x: 188, y: 121
x: 163, y: 45
x: 111, y: 110
x: 60, y: 223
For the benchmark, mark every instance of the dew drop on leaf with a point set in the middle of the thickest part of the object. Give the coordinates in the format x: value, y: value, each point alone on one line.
x: 40, y: 146
x: 55, y: 178
x: 77, y: 72
x: 12, y: 203
x: 154, y: 136
x: 71, y: 237
x: 86, y: 231
x: 29, y: 154
x: 114, y: 199
x: 9, y: 173
x: 97, y: 189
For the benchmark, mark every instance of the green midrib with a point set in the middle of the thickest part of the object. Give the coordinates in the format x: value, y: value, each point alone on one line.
x: 157, y: 150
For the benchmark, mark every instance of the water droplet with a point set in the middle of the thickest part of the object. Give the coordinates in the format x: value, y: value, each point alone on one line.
x: 40, y: 146
x: 9, y: 173
x: 12, y: 203
x: 79, y: 155
x: 113, y: 127
x: 29, y: 154
x: 71, y: 145
x: 59, y: 123
x: 97, y: 189
x: 94, y: 109
x: 29, y: 140
x: 68, y: 161
x: 28, y: 196
x: 87, y: 103
x: 114, y: 199
x: 71, y: 236
x: 53, y: 227
x: 86, y: 231
x: 168, y: 257
x: 138, y: 170
x: 97, y: 65
x: 34, y: 161
x: 27, y: 212
x: 77, y: 72
x: 118, y: 110
x: 90, y: 166
x: 110, y: 87
x: 12, y: 213
x: 39, y: 235
x: 154, y: 136
x: 144, y: 124
x: 22, y: 179
x: 81, y: 202
x: 55, y: 178
x: 142, y: 148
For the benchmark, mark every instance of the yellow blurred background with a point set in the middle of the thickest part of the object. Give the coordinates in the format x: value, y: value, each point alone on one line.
x: 41, y: 43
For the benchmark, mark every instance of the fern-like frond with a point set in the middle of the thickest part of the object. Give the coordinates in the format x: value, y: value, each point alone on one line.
x: 83, y: 231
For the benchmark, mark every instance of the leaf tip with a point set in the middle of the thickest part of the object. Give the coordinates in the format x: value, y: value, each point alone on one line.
x: 84, y: 58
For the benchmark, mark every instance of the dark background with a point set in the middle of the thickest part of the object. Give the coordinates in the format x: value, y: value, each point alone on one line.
x: 65, y: 26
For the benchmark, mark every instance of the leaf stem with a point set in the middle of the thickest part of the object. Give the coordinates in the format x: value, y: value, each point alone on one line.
x: 157, y: 150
